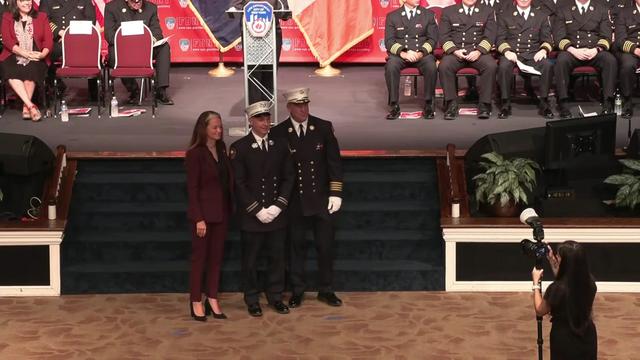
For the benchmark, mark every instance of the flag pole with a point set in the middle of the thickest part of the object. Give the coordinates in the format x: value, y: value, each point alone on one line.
x: 327, y: 71
x: 221, y: 70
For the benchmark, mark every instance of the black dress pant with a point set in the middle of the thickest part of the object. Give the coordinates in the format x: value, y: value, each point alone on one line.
x: 628, y: 65
x: 449, y: 66
x: 426, y: 66
x: 505, y: 75
x: 605, y: 62
x: 323, y: 230
x: 263, y: 74
x: 252, y: 244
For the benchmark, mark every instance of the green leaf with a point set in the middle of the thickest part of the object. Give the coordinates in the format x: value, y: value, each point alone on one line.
x: 621, y: 179
x: 631, y: 163
x: 493, y: 157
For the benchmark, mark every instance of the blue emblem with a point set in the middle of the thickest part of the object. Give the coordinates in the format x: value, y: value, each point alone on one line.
x: 258, y: 16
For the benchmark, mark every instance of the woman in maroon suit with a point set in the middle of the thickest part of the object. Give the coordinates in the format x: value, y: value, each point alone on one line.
x: 209, y: 185
x: 27, y: 41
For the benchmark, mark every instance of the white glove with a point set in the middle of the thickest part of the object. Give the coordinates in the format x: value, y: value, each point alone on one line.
x: 334, y: 204
x: 263, y: 216
x: 273, y: 211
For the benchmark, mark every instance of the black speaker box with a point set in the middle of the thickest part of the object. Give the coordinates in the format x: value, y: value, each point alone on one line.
x: 633, y: 151
x: 25, y: 163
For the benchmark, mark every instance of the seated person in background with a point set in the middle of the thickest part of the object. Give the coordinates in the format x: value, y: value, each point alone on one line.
x: 61, y: 13
x: 27, y: 41
x: 583, y: 32
x: 117, y: 11
x: 524, y: 35
x: 627, y: 38
x: 410, y: 35
x: 467, y: 33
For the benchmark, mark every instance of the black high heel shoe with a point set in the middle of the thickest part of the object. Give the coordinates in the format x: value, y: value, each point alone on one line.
x: 197, y: 317
x: 209, y: 310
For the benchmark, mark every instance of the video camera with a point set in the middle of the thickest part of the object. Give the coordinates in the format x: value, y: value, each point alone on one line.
x: 537, y: 249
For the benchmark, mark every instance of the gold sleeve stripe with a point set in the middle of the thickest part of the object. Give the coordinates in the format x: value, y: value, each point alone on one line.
x: 448, y: 45
x: 395, y: 48
x: 52, y: 26
x: 252, y: 206
x: 485, y: 45
x: 627, y: 46
x: 428, y: 47
x: 604, y: 42
x: 283, y: 200
x: 564, y: 43
x: 503, y: 47
x: 546, y: 46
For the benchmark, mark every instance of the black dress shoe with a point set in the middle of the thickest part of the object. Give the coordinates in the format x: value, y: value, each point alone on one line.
x: 196, y: 317
x: 254, y: 310
x: 607, y: 107
x: 208, y: 310
x: 280, y: 307
x: 565, y: 113
x: 471, y: 95
x: 394, y: 113
x: 484, y: 111
x: 428, y: 112
x: 295, y: 301
x: 163, y: 98
x: 546, y: 113
x: 329, y: 298
x: 134, y: 98
x: 452, y: 111
x: 627, y: 113
x: 504, y: 113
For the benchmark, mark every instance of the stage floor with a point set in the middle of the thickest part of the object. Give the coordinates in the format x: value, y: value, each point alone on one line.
x: 355, y: 102
x: 389, y: 325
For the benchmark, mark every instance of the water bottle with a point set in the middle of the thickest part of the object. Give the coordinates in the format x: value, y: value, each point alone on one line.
x: 114, y: 107
x: 64, y: 111
x: 618, y: 104
x: 407, y: 86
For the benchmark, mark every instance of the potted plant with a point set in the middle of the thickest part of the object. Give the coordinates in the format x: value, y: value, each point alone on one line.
x: 628, y: 183
x: 504, y: 184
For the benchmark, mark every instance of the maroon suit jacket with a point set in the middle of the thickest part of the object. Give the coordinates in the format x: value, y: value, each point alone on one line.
x: 41, y: 34
x: 204, y: 186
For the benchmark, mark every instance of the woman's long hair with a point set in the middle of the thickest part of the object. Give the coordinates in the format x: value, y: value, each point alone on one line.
x: 580, y: 288
x: 13, y: 7
x: 199, y: 136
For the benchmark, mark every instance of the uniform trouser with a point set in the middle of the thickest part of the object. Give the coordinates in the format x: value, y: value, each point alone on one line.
x: 56, y: 55
x: 323, y: 229
x: 449, y: 66
x: 206, y: 260
x: 263, y: 74
x: 426, y: 66
x: 628, y: 65
x: 605, y: 62
x: 162, y: 57
x: 505, y: 75
x: 252, y: 243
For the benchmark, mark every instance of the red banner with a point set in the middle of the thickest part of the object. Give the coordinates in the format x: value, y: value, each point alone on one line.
x: 190, y: 43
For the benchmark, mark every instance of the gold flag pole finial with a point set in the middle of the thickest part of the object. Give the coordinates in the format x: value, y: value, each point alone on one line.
x: 221, y: 70
x: 327, y: 71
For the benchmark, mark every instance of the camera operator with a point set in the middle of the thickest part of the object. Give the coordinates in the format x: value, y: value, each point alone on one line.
x: 569, y: 299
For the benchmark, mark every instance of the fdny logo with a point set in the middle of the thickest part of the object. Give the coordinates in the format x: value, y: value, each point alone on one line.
x: 384, y: 3
x: 286, y: 44
x: 381, y: 45
x: 183, y: 3
x: 170, y: 22
x: 258, y: 16
x: 185, y: 44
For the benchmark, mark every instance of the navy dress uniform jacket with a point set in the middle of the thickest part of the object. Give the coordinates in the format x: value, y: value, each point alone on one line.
x: 262, y: 179
x: 524, y: 37
x: 593, y: 29
x: 418, y: 34
x: 461, y: 31
x: 62, y: 12
x: 627, y: 29
x: 317, y: 163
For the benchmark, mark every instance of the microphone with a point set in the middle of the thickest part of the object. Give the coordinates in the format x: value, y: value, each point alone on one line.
x: 529, y: 217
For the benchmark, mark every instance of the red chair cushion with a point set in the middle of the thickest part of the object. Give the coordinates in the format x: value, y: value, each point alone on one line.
x: 467, y: 71
x: 584, y: 70
x: 132, y: 72
x: 78, y: 72
x: 410, y: 71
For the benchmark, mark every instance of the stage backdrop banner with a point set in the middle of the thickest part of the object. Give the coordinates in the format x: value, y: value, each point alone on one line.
x: 191, y: 42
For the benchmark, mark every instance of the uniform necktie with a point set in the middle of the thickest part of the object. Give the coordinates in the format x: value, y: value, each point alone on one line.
x: 469, y: 11
x: 524, y: 17
x: 301, y: 133
x: 264, y: 145
x: 411, y: 13
x: 583, y: 9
